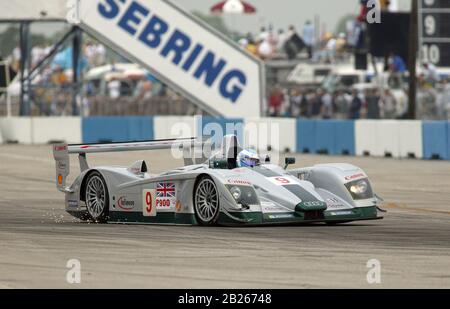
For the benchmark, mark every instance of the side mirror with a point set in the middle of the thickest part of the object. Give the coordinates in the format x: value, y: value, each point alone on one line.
x: 288, y: 161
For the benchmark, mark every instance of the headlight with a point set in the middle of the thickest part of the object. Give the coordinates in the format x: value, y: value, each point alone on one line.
x: 245, y: 195
x: 236, y: 193
x: 359, y: 188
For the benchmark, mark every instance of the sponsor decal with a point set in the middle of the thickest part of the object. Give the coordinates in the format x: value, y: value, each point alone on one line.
x: 125, y: 204
x: 280, y: 180
x: 334, y: 203
x: 239, y: 170
x: 281, y: 216
x: 165, y: 196
x: 239, y: 182
x: 72, y: 203
x: 62, y: 165
x: 269, y: 207
x: 356, y: 176
x: 178, y: 206
x: 148, y: 205
x: 60, y: 148
x: 341, y: 213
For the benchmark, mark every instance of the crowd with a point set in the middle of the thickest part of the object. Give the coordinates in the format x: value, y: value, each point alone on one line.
x: 433, y: 102
x: 309, y: 42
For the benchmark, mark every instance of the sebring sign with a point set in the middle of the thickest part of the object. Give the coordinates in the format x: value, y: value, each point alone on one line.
x: 180, y: 50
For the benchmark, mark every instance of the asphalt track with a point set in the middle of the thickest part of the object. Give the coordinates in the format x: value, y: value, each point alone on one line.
x: 37, y: 238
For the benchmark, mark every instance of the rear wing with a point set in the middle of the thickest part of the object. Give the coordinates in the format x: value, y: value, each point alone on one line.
x: 62, y: 151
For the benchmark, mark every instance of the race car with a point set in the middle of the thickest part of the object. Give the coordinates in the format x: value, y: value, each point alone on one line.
x: 212, y: 190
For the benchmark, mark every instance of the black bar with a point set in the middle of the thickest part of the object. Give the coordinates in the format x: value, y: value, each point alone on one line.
x: 413, y: 45
x: 24, y: 63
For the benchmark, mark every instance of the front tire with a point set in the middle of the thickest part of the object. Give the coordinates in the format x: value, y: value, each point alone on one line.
x: 206, y: 201
x: 97, y: 198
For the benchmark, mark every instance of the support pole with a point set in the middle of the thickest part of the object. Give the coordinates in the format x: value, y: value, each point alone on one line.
x: 24, y: 64
x: 76, y: 47
x: 413, y: 45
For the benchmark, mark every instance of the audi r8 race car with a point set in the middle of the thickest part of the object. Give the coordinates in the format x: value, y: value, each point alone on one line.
x: 213, y: 190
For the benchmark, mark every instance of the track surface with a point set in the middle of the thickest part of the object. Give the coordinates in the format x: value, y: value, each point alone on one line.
x: 37, y: 238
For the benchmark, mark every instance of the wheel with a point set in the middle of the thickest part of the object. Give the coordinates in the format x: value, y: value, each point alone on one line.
x: 97, y: 198
x: 206, y: 201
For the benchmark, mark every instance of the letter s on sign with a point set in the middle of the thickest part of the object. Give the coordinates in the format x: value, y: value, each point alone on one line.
x: 108, y: 11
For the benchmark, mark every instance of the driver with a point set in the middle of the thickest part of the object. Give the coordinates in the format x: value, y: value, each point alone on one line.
x: 248, y: 158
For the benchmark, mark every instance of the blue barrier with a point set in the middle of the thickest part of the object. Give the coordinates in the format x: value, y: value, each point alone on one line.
x: 345, y: 137
x: 210, y: 126
x: 448, y: 140
x: 335, y: 137
x: 117, y: 129
x: 325, y: 137
x: 306, y: 139
x: 435, y: 140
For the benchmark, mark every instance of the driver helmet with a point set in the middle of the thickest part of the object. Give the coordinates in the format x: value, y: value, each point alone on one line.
x: 248, y: 158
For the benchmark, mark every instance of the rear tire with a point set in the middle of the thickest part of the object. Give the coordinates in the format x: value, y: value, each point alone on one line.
x: 97, y: 198
x: 206, y: 201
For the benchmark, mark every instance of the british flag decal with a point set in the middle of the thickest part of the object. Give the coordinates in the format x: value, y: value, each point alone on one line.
x: 165, y: 190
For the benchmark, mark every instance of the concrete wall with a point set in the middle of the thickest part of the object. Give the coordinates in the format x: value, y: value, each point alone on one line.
x: 392, y: 138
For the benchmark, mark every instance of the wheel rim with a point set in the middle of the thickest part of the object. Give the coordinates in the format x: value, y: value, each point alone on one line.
x: 206, y: 200
x: 95, y: 196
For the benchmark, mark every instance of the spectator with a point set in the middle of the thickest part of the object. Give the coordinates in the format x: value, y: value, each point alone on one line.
x: 282, y: 39
x: 273, y: 39
x: 373, y: 104
x: 309, y: 37
x: 327, y: 106
x: 296, y: 98
x: 430, y: 73
x: 275, y: 101
x: 252, y: 48
x: 388, y: 105
x: 263, y: 34
x: 355, y: 106
x: 401, y: 107
x: 426, y: 108
x: 265, y: 49
x: 444, y: 99
x: 397, y: 65
x: 316, y: 104
x: 304, y: 105
x: 331, y: 48
x: 294, y: 43
x: 341, y: 103
x: 114, y: 88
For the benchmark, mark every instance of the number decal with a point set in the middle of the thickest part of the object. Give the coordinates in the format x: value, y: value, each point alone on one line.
x: 280, y: 180
x: 148, y: 205
x: 430, y: 25
x: 431, y: 53
x: 148, y: 201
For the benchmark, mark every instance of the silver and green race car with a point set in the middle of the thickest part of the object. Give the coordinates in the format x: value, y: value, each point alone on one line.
x: 212, y: 190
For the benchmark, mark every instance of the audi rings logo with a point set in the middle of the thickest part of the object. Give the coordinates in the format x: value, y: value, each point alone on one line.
x: 313, y: 204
